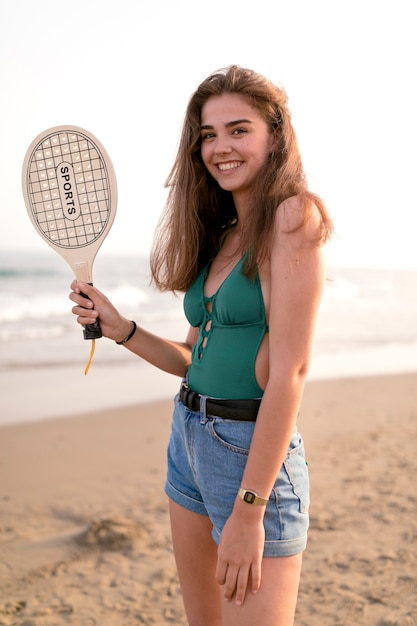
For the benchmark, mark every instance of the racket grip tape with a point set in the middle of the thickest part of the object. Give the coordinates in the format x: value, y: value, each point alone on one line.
x: 92, y: 331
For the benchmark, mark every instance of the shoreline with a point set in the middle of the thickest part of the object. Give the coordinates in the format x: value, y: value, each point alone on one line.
x: 315, y: 389
x: 41, y: 392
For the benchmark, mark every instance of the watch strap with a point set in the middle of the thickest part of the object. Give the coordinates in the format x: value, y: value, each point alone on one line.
x: 250, y: 497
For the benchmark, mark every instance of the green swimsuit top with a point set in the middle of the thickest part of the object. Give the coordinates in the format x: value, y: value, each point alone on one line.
x: 229, y: 337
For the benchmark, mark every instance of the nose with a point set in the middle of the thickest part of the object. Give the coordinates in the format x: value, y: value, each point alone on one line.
x: 222, y: 145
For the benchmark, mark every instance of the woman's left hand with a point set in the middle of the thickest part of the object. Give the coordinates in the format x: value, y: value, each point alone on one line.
x: 240, y: 552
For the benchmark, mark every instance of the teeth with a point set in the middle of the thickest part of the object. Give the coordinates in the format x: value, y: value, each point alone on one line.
x: 228, y: 166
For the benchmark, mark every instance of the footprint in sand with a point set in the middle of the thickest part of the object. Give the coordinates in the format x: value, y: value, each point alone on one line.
x: 112, y: 534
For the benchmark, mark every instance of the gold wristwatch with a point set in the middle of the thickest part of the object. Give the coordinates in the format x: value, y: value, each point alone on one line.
x: 250, y: 497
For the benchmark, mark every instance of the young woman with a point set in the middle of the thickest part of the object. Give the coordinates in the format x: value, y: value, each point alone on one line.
x: 243, y: 238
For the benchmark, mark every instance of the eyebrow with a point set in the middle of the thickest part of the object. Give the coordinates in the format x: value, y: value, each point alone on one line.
x: 228, y: 124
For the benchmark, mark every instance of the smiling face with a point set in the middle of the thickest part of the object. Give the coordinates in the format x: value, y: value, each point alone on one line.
x: 235, y: 143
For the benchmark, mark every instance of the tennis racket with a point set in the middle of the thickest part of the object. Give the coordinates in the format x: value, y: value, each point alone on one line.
x: 70, y: 192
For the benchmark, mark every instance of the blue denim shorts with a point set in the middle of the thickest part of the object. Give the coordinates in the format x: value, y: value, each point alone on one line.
x: 206, y: 459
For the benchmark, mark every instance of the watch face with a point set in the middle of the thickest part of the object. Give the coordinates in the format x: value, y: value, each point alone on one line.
x: 249, y: 497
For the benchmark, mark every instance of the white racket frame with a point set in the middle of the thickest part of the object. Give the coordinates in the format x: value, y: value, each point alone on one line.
x: 70, y: 193
x: 57, y: 201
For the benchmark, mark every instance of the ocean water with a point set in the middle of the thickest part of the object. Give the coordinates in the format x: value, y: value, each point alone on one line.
x: 37, y: 327
x: 367, y: 325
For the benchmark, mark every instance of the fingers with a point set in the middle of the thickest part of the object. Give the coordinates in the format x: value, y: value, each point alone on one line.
x: 236, y: 586
x: 84, y: 306
x: 84, y: 290
x: 91, y: 304
x: 84, y: 315
x: 221, y: 571
x: 236, y: 580
x: 80, y: 287
x: 256, y: 577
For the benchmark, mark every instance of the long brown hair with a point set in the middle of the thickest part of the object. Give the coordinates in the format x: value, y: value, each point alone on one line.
x: 198, y: 211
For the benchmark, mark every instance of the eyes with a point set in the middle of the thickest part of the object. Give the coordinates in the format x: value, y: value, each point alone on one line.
x: 206, y: 135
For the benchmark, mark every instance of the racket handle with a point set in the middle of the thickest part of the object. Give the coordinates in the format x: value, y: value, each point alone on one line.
x: 92, y: 331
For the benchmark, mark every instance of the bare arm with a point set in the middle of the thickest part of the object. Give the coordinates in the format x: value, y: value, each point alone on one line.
x: 297, y: 280
x: 170, y: 356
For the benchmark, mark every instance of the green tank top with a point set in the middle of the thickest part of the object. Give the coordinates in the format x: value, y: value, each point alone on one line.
x: 223, y: 358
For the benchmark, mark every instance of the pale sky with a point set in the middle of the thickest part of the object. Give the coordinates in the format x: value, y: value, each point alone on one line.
x: 124, y: 70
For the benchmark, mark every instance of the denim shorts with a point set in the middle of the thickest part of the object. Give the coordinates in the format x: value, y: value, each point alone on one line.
x: 206, y: 459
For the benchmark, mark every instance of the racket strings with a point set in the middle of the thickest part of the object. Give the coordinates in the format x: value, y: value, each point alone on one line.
x: 69, y: 190
x: 90, y: 358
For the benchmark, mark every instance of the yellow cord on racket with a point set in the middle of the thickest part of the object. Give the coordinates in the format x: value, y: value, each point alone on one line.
x: 90, y: 358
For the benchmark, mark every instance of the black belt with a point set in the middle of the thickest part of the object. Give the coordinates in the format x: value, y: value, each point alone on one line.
x: 243, y: 410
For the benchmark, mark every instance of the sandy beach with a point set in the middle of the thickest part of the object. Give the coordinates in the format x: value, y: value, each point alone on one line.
x: 84, y: 530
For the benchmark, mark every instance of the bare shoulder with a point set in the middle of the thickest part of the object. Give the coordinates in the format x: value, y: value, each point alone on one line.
x: 296, y: 215
x: 297, y: 239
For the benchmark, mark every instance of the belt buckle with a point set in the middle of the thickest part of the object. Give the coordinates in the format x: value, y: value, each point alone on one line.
x: 188, y: 396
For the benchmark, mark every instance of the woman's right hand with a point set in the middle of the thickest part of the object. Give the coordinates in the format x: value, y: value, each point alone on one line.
x: 170, y: 356
x: 91, y: 304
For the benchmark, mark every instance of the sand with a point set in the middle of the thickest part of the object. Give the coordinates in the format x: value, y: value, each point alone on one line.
x: 84, y: 530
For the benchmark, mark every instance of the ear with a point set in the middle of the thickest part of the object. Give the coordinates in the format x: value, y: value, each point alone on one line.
x: 275, y: 139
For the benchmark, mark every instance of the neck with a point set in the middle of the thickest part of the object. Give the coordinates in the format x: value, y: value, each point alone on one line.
x: 242, y: 203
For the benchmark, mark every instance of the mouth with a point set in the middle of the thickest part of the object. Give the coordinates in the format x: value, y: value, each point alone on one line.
x: 230, y: 165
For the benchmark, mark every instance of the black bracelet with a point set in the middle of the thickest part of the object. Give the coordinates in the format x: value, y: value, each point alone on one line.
x: 130, y: 335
